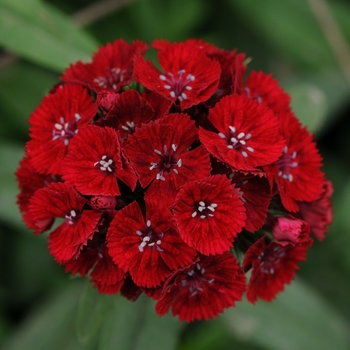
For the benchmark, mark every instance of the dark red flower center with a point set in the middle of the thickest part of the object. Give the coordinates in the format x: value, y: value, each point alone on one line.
x: 150, y: 238
x: 168, y: 160
x: 238, y: 141
x: 270, y: 259
x: 111, y: 80
x: 178, y: 84
x: 286, y: 163
x: 65, y: 130
x: 72, y: 217
x: 105, y: 164
x: 204, y: 210
x: 195, y: 280
x: 248, y: 94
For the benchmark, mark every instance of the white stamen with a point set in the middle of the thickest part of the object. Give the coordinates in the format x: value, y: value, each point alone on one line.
x: 190, y: 273
x: 175, y: 171
x: 172, y: 94
x: 66, y: 141
x: 158, y: 152
x: 165, y: 148
x: 201, y: 203
x: 179, y: 163
x: 130, y: 124
x: 244, y: 154
x: 202, y: 216
x: 73, y: 213
x: 214, y: 205
x: 77, y: 116
x: 162, y: 77
x: 173, y: 146
x: 290, y: 177
x: 58, y: 126
x: 230, y: 146
x: 146, y: 239
x: 184, y: 96
x: 198, y: 266
x: 168, y: 87
x: 194, y: 214
x: 138, y: 232
x: 232, y: 128
x: 151, y: 244
x: 248, y: 136
x: 188, y: 88
x: 242, y: 142
x: 241, y: 135
x: 201, y: 209
x: 250, y: 149
x: 233, y: 139
x: 125, y: 128
x: 222, y: 135
x: 153, y: 165
x: 148, y: 223
x: 159, y: 241
x: 210, y: 208
x: 160, y: 177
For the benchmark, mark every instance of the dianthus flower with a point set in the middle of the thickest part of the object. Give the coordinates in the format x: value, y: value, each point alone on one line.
x: 159, y: 177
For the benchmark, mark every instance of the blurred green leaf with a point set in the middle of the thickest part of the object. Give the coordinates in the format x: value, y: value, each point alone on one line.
x: 37, y: 31
x: 298, y: 319
x: 91, y: 310
x: 51, y: 325
x: 310, y: 105
x: 290, y: 28
x: 135, y: 326
x: 22, y: 87
x: 10, y: 155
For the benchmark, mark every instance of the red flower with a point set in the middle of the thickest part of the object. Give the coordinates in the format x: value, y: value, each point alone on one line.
x: 290, y: 230
x: 161, y: 155
x: 273, y: 265
x: 318, y: 214
x: 247, y: 136
x: 59, y: 200
x: 149, y: 250
x: 111, y: 66
x: 107, y: 277
x: 297, y: 171
x: 29, y: 181
x: 54, y: 123
x: 94, y: 162
x: 127, y: 113
x: 255, y: 192
x: 263, y: 87
x: 209, y: 214
x: 189, y: 77
x: 204, y: 289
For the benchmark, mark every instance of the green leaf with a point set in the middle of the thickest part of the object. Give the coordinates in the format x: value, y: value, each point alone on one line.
x: 298, y: 319
x: 290, y: 28
x: 92, y: 309
x: 309, y: 104
x: 51, y: 325
x: 135, y: 326
x: 16, y: 83
x: 37, y: 31
x: 10, y: 155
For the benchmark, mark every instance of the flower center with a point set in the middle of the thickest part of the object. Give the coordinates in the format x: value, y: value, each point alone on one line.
x: 150, y: 238
x: 204, y: 210
x: 65, y: 130
x: 168, y: 161
x: 72, y: 217
x: 270, y: 259
x: 196, y: 278
x: 256, y: 97
x: 177, y: 85
x: 286, y: 163
x: 105, y: 164
x: 238, y: 141
x: 111, y: 81
x: 129, y: 127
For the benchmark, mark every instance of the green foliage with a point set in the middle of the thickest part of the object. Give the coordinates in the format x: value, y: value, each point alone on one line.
x: 41, y: 308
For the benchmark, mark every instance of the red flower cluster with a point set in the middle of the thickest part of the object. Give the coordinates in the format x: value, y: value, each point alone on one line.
x: 161, y: 177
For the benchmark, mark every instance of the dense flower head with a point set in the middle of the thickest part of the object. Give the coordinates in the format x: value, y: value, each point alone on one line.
x: 159, y: 180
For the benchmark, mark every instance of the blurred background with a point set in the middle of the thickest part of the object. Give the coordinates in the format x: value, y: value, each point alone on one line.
x: 305, y: 44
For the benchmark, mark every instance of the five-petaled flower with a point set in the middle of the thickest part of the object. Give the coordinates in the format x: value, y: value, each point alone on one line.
x: 159, y: 177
